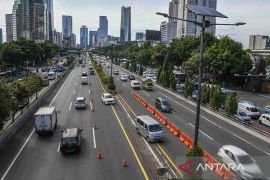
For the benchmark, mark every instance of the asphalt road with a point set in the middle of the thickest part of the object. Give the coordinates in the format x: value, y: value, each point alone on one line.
x: 39, y: 157
x: 214, y: 132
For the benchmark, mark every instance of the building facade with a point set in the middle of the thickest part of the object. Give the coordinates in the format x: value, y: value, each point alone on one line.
x: 102, y: 33
x: 125, y: 29
x: 50, y: 18
x: 84, y: 37
x: 67, y: 30
x: 9, y: 28
x: 190, y: 29
x: 168, y: 31
x: 1, y: 36
x: 92, y: 39
x: 57, y: 38
x: 73, y: 41
x: 259, y: 42
x: 140, y: 36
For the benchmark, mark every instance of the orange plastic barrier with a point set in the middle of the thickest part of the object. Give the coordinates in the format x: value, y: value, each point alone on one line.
x: 173, y: 128
x: 150, y: 109
x: 186, y: 140
x: 143, y: 102
x: 161, y: 117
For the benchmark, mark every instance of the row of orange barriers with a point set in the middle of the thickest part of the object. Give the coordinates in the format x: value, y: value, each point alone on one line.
x: 182, y: 136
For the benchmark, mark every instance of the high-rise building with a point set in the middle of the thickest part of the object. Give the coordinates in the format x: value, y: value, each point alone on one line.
x: 173, y: 10
x: 29, y: 20
x: 168, y: 31
x: 140, y: 36
x: 102, y: 34
x: 50, y: 18
x: 73, y: 40
x: 67, y: 30
x: 92, y: 39
x: 125, y: 29
x: 9, y: 28
x: 57, y: 38
x: 83, y: 37
x: 188, y: 28
x: 1, y: 37
x: 259, y: 42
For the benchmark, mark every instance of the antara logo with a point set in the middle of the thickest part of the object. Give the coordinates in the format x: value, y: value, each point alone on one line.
x: 210, y: 167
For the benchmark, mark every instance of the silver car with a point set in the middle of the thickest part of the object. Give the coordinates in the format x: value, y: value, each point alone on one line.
x: 80, y: 103
x: 247, y: 168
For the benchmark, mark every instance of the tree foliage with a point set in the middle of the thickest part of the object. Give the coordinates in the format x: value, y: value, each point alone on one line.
x: 231, y: 103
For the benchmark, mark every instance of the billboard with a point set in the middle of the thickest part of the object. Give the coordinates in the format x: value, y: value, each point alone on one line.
x: 152, y: 35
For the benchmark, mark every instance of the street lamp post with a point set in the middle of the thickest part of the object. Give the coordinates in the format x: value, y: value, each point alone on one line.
x: 204, y: 12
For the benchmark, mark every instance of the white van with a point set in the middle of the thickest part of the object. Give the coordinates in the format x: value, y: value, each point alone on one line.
x: 45, y: 120
x: 250, y: 110
x: 51, y: 76
x: 135, y: 85
x: 265, y: 119
x: 149, y: 128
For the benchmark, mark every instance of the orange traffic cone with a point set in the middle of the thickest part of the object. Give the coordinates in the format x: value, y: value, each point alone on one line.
x: 95, y: 125
x: 99, y: 156
x: 125, y: 164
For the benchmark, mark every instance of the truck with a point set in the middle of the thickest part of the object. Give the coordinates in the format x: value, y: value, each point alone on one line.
x: 147, y: 84
x: 46, y: 119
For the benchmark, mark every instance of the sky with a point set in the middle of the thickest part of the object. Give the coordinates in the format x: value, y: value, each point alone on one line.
x: 86, y: 12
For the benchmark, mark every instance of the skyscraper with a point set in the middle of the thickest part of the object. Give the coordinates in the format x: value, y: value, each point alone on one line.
x: 168, y: 31
x: 92, y: 39
x: 9, y: 28
x: 173, y: 9
x: 50, y: 18
x: 67, y: 30
x: 125, y: 29
x: 1, y: 37
x: 73, y: 40
x: 83, y: 37
x: 190, y: 29
x: 140, y: 36
x: 57, y: 38
x: 102, y: 30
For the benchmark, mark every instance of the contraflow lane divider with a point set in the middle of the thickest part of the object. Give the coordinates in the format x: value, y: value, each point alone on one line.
x: 184, y: 138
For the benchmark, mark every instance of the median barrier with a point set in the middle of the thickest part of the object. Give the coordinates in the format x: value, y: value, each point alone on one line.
x: 143, y: 102
x: 186, y: 140
x: 150, y: 109
x: 161, y: 117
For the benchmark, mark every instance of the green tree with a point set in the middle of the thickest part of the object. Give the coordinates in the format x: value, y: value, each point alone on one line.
x: 4, y: 104
x: 231, y: 103
x: 188, y: 90
x: 215, y: 100
x: 166, y: 73
x: 172, y: 81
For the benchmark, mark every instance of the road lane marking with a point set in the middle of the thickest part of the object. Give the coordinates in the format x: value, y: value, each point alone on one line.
x: 216, y: 125
x: 74, y: 91
x: 130, y: 144
x: 76, y: 84
x: 32, y: 132
x: 169, y: 159
x: 94, y: 138
x: 58, y: 148
x: 146, y: 94
x: 89, y: 91
x: 70, y: 106
x: 90, y: 102
x: 126, y: 112
x: 202, y: 132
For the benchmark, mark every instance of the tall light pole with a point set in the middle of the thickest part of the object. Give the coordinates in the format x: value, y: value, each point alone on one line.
x: 204, y: 12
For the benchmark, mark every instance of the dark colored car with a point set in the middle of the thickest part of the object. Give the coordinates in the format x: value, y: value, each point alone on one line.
x: 163, y: 105
x: 45, y: 82
x: 131, y: 77
x: 71, y: 140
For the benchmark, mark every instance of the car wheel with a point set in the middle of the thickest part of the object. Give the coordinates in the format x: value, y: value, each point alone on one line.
x: 79, y: 149
x: 148, y: 139
x: 138, y: 131
x: 260, y: 122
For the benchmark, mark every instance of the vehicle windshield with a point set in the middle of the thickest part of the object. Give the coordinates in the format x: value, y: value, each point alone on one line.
x: 166, y: 103
x: 242, y: 114
x: 254, y: 110
x: 80, y: 101
x: 149, y: 84
x: 154, y: 128
x: 108, y: 97
x: 70, y: 140
x: 137, y: 84
x: 245, y: 159
x: 84, y: 74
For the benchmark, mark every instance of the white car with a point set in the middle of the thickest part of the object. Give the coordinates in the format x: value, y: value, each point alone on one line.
x: 124, y: 77
x: 84, y: 80
x: 107, y: 99
x: 265, y: 119
x: 246, y: 167
x: 80, y: 103
x: 135, y: 85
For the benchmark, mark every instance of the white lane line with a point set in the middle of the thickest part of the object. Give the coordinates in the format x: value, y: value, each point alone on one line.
x: 146, y: 94
x: 70, y: 106
x: 202, y: 132
x: 94, y: 138
x: 89, y: 91
x: 76, y: 84
x: 28, y: 138
x: 74, y: 92
x: 58, y: 148
x: 151, y: 150
x: 126, y: 111
x: 91, y: 105
x: 216, y: 125
x: 168, y: 165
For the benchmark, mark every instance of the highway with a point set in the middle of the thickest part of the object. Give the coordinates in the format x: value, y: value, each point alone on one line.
x: 28, y: 156
x: 214, y: 132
